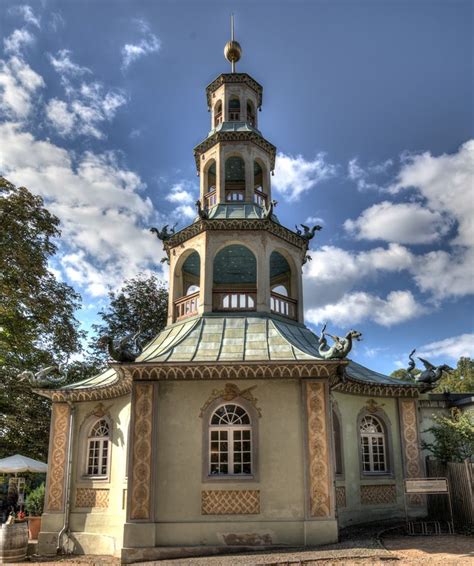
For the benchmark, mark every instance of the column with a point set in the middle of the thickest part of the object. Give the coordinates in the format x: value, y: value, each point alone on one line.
x: 410, y: 445
x: 56, y: 487
x: 320, y: 523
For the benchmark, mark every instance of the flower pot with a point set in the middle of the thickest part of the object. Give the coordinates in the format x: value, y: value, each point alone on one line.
x: 34, y: 527
x: 13, y: 542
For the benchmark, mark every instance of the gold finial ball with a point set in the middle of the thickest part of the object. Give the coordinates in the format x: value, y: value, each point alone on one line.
x: 232, y: 51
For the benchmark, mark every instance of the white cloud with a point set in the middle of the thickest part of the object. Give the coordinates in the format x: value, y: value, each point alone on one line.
x: 334, y: 271
x: 182, y: 195
x: 446, y: 182
x: 104, y: 217
x: 63, y: 64
x: 354, y: 308
x: 404, y: 223
x: 453, y: 347
x: 311, y: 220
x: 18, y: 87
x: 27, y: 13
x: 295, y: 175
x: 19, y: 39
x: 361, y: 175
x: 131, y: 52
x: 88, y: 106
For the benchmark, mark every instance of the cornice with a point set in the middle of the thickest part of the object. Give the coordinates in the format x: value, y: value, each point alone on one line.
x: 356, y: 387
x: 234, y: 78
x: 231, y: 136
x: 235, y: 224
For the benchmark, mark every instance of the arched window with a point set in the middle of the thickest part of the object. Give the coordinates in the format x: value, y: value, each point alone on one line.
x: 187, y: 277
x: 234, y: 179
x: 282, y: 288
x: 250, y: 113
x: 217, y: 113
x: 230, y: 441
x: 259, y: 192
x: 98, y: 449
x: 373, y: 445
x: 336, y: 430
x: 234, y: 109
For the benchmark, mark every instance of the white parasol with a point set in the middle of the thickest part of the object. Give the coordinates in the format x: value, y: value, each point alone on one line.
x: 18, y: 463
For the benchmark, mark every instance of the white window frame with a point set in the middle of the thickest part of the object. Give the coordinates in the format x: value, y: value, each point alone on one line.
x: 370, y: 436
x: 229, y: 430
x: 102, y: 442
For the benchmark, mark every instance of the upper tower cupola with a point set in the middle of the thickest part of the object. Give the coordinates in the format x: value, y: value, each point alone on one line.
x: 235, y: 161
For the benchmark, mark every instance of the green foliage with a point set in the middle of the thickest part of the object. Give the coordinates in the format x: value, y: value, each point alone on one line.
x: 461, y: 380
x: 34, y: 502
x: 37, y: 323
x: 141, y: 304
x: 404, y: 375
x: 453, y: 437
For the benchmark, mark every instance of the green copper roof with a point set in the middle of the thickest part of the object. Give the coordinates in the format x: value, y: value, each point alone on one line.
x: 231, y: 338
x: 242, y: 211
x: 234, y: 127
x: 235, y: 339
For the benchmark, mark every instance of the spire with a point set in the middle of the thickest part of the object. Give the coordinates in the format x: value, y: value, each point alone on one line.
x: 232, y: 49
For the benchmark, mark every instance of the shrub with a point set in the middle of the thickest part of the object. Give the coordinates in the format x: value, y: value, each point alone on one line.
x: 35, y: 501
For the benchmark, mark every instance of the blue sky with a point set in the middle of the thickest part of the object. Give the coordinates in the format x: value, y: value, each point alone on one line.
x: 369, y: 104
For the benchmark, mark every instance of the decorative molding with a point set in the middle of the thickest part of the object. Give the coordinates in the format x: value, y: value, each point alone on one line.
x: 355, y: 387
x: 233, y: 78
x: 318, y: 450
x: 378, y: 494
x: 233, y: 224
x: 230, y: 502
x: 92, y: 498
x: 58, y: 456
x: 411, y: 445
x: 372, y: 406
x: 99, y: 411
x: 340, y: 497
x: 229, y: 393
x: 236, y: 137
x: 142, y: 434
x: 231, y: 371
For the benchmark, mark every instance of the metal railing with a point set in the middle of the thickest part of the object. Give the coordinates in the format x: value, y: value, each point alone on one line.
x: 186, y: 306
x: 211, y: 197
x: 217, y: 119
x: 234, y: 300
x: 260, y: 198
x: 235, y: 195
x: 284, y: 306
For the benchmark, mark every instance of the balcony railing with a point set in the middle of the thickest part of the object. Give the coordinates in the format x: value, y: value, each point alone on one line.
x: 283, y: 306
x: 211, y: 197
x: 186, y: 306
x: 235, y: 195
x: 217, y: 119
x: 234, y: 300
x: 234, y: 116
x: 260, y: 198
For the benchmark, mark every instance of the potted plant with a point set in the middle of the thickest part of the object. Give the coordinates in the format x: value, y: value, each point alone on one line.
x: 34, y: 505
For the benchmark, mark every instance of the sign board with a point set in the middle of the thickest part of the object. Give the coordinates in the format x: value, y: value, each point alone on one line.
x: 426, y: 485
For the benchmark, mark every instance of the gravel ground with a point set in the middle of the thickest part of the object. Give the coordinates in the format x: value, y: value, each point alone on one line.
x: 358, y: 546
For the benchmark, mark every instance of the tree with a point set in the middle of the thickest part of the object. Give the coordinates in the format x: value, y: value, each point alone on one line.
x: 141, y: 305
x: 461, y: 380
x: 404, y: 375
x: 37, y: 322
x: 453, y: 437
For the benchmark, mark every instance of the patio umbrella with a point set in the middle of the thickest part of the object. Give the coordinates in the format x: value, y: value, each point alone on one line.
x: 18, y: 463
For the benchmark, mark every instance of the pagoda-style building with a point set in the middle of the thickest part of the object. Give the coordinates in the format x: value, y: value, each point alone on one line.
x: 235, y: 427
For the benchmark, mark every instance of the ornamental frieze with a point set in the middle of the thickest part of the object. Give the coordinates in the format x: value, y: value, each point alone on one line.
x: 236, y: 224
x: 228, y: 78
x: 171, y: 372
x: 220, y: 136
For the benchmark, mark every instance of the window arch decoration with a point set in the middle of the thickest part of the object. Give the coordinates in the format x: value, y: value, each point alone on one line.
x: 98, y: 449
x: 230, y: 442
x: 373, y: 445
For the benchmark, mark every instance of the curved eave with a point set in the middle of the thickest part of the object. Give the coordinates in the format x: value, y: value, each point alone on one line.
x: 232, y: 136
x: 108, y: 384
x: 236, y: 224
